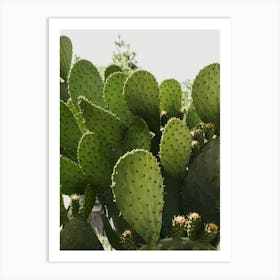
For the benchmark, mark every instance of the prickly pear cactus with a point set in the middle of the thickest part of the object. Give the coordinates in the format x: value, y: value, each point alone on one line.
x: 96, y: 159
x: 110, y: 70
x: 70, y: 132
x: 65, y: 56
x: 175, y: 148
x: 113, y: 92
x: 88, y: 202
x: 170, y: 96
x: 137, y: 136
x: 85, y: 81
x: 201, y: 188
x: 72, y: 178
x: 138, y: 188
x: 206, y: 94
x: 78, y: 235
x: 101, y: 122
x: 141, y: 93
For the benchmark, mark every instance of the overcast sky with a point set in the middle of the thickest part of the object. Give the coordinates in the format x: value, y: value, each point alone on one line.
x: 166, y: 54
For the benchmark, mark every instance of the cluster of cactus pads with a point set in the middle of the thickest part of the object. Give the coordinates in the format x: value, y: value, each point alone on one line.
x: 126, y: 141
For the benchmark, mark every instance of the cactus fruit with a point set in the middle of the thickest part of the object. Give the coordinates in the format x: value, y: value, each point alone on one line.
x: 127, y: 240
x: 70, y: 132
x: 194, y: 226
x: 206, y: 94
x: 88, y: 202
x: 85, y: 80
x: 137, y: 136
x: 198, y: 135
x: 175, y: 148
x: 170, y: 96
x: 209, y: 130
x: 138, y: 189
x: 209, y: 233
x: 72, y: 178
x: 179, y: 225
x: 65, y: 56
x: 96, y: 159
x: 201, y: 187
x: 101, y: 122
x: 110, y: 70
x: 75, y: 205
x: 78, y: 235
x: 113, y: 93
x: 142, y: 88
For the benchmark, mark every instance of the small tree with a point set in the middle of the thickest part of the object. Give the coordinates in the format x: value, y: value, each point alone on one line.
x: 124, y: 57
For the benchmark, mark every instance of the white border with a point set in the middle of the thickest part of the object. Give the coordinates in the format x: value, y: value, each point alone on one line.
x: 55, y: 26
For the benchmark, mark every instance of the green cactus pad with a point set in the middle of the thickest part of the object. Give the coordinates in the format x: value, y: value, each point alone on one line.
x: 72, y: 179
x: 170, y: 96
x: 137, y: 136
x: 85, y: 81
x: 113, y: 93
x: 96, y: 159
x: 141, y: 93
x: 192, y: 118
x: 101, y: 122
x: 78, y: 235
x: 110, y: 70
x: 64, y: 95
x: 77, y: 115
x: 206, y: 94
x: 63, y: 213
x: 175, y: 148
x: 65, y: 56
x: 70, y: 133
x: 88, y: 202
x: 201, y: 188
x: 138, y: 188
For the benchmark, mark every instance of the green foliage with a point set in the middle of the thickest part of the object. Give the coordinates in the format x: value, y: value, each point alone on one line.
x: 70, y: 132
x: 102, y: 122
x: 142, y: 88
x: 138, y: 188
x: 78, y: 235
x: 170, y: 96
x: 65, y: 56
x: 201, y: 189
x: 85, y: 81
x: 113, y: 93
x: 96, y: 159
x: 137, y: 136
x: 206, y: 94
x: 110, y: 70
x: 175, y: 148
x: 72, y: 179
x: 149, y: 155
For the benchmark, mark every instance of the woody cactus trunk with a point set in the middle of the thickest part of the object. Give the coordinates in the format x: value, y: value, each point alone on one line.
x: 126, y: 141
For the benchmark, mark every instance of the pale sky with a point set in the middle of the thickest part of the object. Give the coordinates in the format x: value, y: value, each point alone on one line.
x: 178, y: 54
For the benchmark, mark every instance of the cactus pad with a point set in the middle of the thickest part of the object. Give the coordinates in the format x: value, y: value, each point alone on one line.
x: 70, y: 133
x: 170, y: 96
x: 113, y: 93
x: 141, y: 93
x: 72, y: 179
x: 101, y: 122
x: 138, y: 188
x: 192, y: 118
x: 88, y: 202
x: 85, y: 81
x: 78, y: 235
x: 201, y: 188
x: 206, y: 94
x: 175, y: 148
x: 65, y: 56
x: 96, y: 159
x: 137, y: 136
x: 110, y: 70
